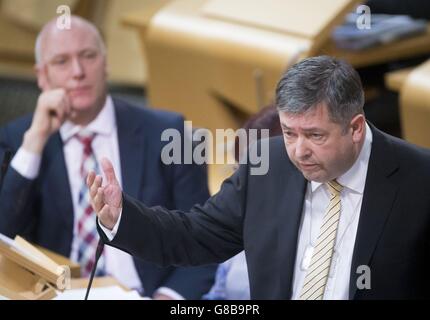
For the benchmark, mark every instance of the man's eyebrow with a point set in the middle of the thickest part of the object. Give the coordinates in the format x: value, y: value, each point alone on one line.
x: 57, y: 56
x: 89, y: 49
x: 311, y: 129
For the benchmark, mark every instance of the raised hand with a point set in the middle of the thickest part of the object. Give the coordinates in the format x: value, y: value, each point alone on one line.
x: 106, y: 200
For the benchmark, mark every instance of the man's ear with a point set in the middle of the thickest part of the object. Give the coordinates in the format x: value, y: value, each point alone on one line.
x: 42, y: 77
x: 106, y: 67
x: 358, y: 124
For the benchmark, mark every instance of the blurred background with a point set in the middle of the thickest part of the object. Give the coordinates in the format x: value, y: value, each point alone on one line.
x: 218, y: 61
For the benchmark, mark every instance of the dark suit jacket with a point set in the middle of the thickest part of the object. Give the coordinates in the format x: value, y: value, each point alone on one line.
x: 42, y: 210
x: 262, y: 215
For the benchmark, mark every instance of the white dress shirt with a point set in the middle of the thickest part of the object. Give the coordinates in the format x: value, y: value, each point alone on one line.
x: 105, y: 144
x: 316, y: 201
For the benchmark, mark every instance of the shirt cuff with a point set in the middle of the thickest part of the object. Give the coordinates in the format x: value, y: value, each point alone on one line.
x: 170, y: 293
x: 26, y: 163
x: 110, y: 234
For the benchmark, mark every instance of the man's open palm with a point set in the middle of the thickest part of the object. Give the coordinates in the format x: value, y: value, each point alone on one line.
x: 106, y: 200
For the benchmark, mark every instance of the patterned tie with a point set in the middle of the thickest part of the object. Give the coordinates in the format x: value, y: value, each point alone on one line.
x: 87, y: 230
x: 318, y: 271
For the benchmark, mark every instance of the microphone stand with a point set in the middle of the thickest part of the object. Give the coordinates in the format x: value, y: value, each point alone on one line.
x: 99, y: 251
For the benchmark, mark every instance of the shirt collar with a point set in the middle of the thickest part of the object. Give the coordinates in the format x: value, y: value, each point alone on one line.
x: 355, y: 177
x: 103, y: 124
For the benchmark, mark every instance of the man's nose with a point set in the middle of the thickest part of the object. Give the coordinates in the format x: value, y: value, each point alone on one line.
x: 77, y: 69
x: 302, y: 148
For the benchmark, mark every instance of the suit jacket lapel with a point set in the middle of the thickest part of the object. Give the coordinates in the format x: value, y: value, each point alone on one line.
x: 131, y: 137
x: 57, y: 181
x: 379, y: 194
x: 289, y: 217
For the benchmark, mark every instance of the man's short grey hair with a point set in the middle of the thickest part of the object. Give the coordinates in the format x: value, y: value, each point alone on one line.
x: 319, y: 80
x: 53, y: 24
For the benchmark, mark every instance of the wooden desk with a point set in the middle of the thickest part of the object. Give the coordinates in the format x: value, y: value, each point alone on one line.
x: 394, y: 80
x: 413, y: 85
x: 141, y: 19
x: 75, y: 268
x: 104, y: 288
x: 415, y: 105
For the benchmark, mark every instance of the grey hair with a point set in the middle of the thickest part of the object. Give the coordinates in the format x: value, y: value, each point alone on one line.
x: 53, y: 24
x: 319, y: 80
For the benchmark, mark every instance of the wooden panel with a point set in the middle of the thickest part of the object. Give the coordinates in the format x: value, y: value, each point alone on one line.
x: 308, y: 19
x: 33, y: 13
x: 17, y: 283
x: 127, y: 63
x: 394, y: 80
x: 415, y: 106
x: 20, y: 22
x: 18, y: 47
x: 75, y: 268
x: 28, y: 257
x: 215, y: 72
x: 401, y: 49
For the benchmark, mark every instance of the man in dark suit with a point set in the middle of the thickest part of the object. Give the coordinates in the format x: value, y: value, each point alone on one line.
x: 343, y: 212
x: 76, y: 122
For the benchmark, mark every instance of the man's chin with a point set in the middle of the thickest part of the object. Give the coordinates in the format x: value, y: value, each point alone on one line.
x: 81, y: 103
x: 82, y: 106
x: 315, y: 176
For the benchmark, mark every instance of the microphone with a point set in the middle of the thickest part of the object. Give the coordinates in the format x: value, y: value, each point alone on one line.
x: 99, y: 251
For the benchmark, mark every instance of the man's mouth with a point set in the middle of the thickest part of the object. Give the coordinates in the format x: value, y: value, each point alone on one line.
x: 307, y: 166
x: 79, y: 91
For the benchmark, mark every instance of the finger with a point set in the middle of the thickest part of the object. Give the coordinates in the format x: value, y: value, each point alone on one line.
x: 90, y: 179
x: 58, y: 108
x: 98, y: 201
x: 95, y: 186
x: 109, y: 171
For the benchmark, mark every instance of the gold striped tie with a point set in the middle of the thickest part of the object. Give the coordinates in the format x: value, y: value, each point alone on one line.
x: 318, y: 271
